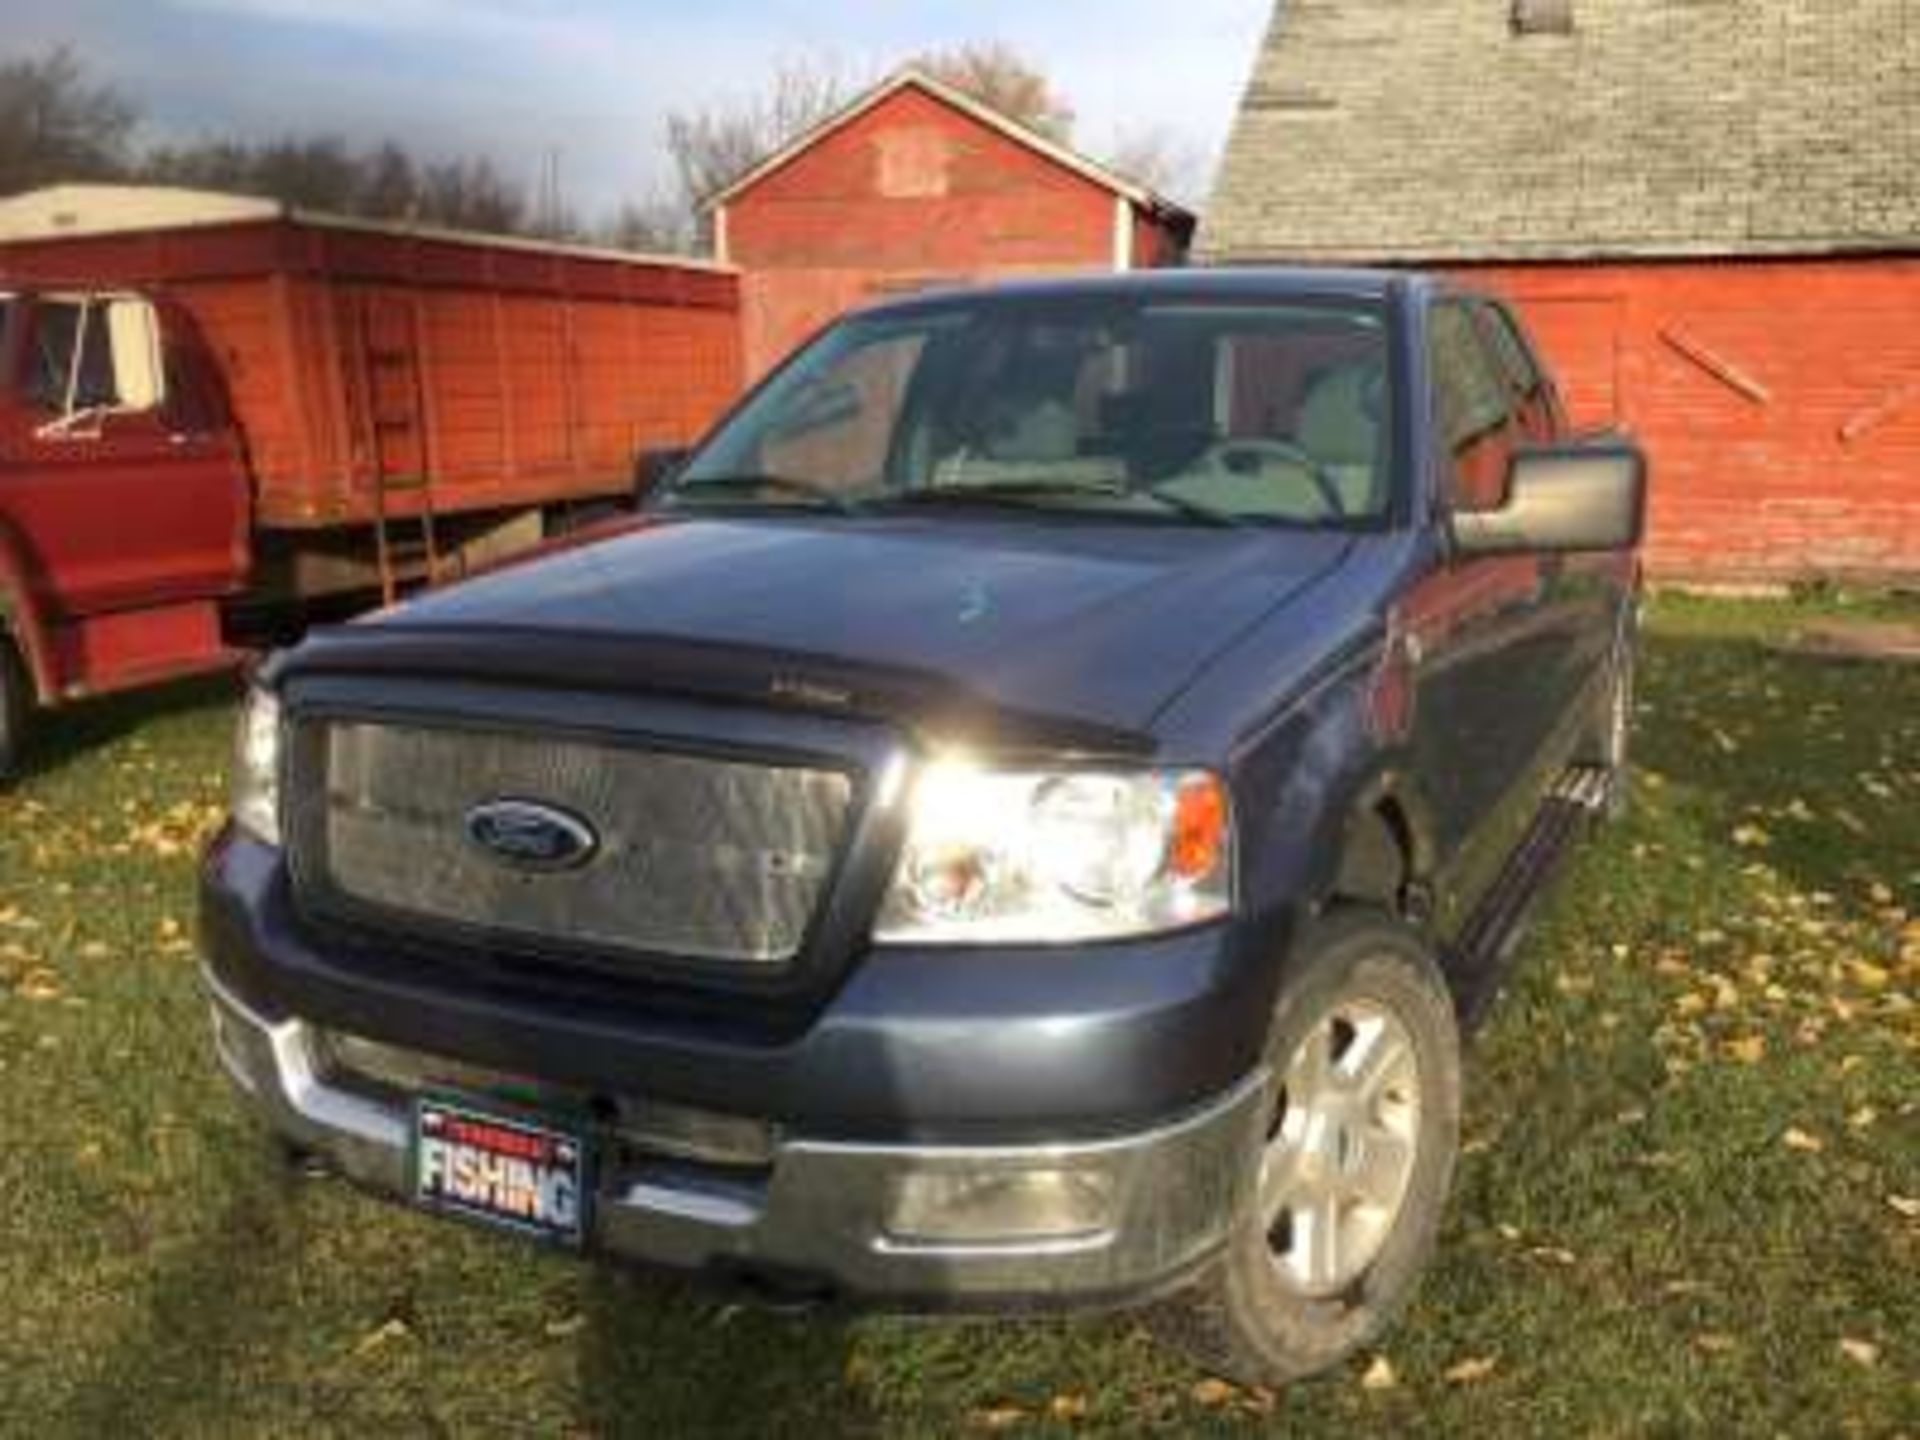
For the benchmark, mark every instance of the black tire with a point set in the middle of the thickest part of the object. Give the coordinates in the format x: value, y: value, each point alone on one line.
x: 16, y: 703
x: 1242, y: 1318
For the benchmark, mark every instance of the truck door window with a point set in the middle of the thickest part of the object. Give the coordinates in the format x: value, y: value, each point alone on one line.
x: 1473, y: 404
x: 72, y: 362
x: 1534, y: 402
x: 95, y: 355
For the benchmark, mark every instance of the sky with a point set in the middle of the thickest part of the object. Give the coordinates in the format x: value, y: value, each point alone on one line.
x: 594, y: 79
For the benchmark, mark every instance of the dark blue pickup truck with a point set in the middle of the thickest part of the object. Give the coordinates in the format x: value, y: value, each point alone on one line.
x: 1023, y: 816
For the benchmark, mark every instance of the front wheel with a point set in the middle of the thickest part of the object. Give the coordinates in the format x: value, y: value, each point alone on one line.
x: 15, y: 703
x: 1344, y: 1206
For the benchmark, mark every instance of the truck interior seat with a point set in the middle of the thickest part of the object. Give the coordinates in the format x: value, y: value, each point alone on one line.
x: 1339, y: 425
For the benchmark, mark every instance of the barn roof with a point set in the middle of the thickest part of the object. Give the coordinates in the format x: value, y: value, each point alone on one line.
x: 1481, y: 129
x: 911, y: 78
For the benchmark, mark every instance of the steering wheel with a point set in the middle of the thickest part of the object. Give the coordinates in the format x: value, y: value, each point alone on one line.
x: 1254, y: 452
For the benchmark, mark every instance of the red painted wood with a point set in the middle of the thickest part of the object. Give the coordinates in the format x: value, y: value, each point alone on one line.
x: 130, y: 648
x: 1780, y: 401
x: 913, y: 193
x: 319, y: 334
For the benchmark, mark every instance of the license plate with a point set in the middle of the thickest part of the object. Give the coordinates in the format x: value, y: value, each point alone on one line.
x: 507, y: 1173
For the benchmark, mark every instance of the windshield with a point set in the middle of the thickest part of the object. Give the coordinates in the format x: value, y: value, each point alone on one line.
x: 1224, y: 413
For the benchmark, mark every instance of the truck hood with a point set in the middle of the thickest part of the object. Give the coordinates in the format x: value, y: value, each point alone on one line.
x: 1085, y: 623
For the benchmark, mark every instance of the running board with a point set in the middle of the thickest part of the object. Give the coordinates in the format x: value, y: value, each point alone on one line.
x: 1483, y: 951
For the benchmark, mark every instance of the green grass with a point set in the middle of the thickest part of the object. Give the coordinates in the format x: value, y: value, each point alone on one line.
x: 1645, y: 1237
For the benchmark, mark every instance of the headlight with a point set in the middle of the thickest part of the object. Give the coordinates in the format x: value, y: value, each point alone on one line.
x: 256, y: 768
x: 1029, y: 856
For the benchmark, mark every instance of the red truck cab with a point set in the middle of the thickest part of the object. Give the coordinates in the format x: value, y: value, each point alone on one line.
x: 124, y: 505
x: 219, y: 414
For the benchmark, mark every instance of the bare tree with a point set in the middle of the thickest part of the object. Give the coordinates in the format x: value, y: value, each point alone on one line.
x: 474, y: 195
x: 998, y: 76
x: 56, y: 124
x: 659, y: 225
x: 713, y: 147
x: 1162, y: 161
x: 388, y: 184
x: 384, y: 182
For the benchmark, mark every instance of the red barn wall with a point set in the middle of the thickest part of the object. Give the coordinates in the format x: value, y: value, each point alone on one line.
x: 910, y: 194
x: 1780, y: 401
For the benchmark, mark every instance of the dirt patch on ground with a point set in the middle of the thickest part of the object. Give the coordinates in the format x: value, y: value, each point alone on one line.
x: 1856, y: 640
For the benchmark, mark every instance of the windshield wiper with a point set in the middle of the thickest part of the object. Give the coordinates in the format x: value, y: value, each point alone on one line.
x: 811, y: 491
x: 1194, y: 509
x: 1029, y: 493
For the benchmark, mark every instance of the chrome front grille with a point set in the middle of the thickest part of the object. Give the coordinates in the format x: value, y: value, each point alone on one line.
x: 695, y: 857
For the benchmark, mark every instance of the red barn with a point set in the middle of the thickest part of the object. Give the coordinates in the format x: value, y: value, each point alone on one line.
x: 914, y: 185
x: 1708, y: 213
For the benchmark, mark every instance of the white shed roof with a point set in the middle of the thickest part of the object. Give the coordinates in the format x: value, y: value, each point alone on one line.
x: 61, y: 212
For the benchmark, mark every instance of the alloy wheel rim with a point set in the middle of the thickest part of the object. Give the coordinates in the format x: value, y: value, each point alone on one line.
x: 1339, y: 1160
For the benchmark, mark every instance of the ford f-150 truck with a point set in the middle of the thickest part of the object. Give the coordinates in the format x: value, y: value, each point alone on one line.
x: 1022, y: 817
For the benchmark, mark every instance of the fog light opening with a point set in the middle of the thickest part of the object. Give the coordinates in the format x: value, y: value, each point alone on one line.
x: 1000, y: 1207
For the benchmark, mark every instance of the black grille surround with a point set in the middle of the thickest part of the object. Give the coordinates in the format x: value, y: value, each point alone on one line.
x: 735, y: 848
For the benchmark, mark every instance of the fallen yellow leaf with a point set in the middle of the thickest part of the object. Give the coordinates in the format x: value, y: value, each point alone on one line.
x: 1470, y: 1372
x: 1861, y: 1352
x: 1869, y: 976
x: 1748, y: 1050
x: 1379, y: 1375
x: 1069, y: 1407
x: 1797, y: 1139
x: 997, y: 1417
x: 1213, y: 1393
x: 38, y: 984
x: 1552, y: 1255
x: 391, y: 1330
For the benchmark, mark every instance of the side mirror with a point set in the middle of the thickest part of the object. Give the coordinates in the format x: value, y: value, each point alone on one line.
x: 655, y: 468
x: 1564, y: 498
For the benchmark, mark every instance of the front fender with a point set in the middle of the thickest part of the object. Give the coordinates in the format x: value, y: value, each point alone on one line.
x: 1316, y: 784
x: 22, y: 618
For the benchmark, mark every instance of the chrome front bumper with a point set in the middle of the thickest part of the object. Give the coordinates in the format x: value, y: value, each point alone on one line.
x: 823, y: 1215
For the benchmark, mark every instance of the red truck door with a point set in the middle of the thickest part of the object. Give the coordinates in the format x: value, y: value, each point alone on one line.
x: 121, y: 475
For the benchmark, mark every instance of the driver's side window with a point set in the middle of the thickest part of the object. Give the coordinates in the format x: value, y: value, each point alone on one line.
x: 94, y: 354
x: 72, y: 363
x: 1473, y: 406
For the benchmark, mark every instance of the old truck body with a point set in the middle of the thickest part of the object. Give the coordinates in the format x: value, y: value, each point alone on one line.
x: 213, y: 406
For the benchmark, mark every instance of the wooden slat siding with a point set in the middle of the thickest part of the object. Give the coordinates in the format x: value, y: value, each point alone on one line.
x: 299, y: 429
x: 912, y: 192
x: 1770, y: 478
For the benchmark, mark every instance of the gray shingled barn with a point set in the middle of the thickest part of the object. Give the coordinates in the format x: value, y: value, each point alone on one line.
x: 1708, y: 210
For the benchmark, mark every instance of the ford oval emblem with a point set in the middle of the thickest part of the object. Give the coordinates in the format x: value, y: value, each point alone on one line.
x: 526, y: 835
